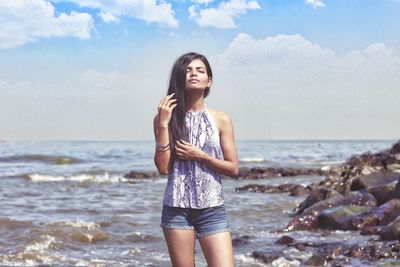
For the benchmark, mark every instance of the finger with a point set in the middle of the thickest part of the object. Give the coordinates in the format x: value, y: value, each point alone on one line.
x: 184, y: 143
x: 169, y: 102
x: 166, y: 98
x: 180, y: 144
x: 179, y: 149
x: 172, y: 107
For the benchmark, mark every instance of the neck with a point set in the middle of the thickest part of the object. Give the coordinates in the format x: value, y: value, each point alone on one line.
x: 194, y: 102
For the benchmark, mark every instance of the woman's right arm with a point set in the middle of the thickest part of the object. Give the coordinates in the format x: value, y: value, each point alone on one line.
x: 160, y: 123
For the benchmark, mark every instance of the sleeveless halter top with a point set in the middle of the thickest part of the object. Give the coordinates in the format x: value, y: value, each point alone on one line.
x: 191, y: 184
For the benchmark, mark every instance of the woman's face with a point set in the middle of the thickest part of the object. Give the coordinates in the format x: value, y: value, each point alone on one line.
x: 197, y: 76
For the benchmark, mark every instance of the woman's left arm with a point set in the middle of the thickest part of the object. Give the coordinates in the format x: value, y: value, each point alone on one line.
x: 228, y: 165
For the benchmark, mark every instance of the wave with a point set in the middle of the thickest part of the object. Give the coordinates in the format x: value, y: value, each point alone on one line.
x: 249, y: 160
x: 48, y: 159
x: 81, y: 224
x: 103, y: 178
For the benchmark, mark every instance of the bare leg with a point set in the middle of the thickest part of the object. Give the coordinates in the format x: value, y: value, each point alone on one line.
x: 217, y: 249
x: 180, y: 246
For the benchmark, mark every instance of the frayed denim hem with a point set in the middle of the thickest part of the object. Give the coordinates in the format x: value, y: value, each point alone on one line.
x: 217, y: 231
x: 170, y: 226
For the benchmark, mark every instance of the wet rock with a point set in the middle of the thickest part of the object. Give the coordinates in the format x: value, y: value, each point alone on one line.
x: 317, y: 194
x: 308, y: 218
x: 355, y: 251
x: 241, y: 240
x: 373, y: 180
x: 299, y: 191
x: 266, y: 172
x: 385, y: 192
x: 339, y: 218
x: 140, y: 175
x: 395, y: 149
x: 391, y: 231
x: 267, y: 255
x: 382, y: 215
x: 284, y: 240
x: 316, y: 260
x: 284, y: 188
x: 302, y: 222
x: 371, y: 230
x: 341, y: 177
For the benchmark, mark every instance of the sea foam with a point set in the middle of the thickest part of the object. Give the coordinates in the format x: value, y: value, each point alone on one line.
x: 105, y: 178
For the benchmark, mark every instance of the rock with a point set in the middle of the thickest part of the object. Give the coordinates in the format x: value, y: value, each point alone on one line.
x: 308, y: 218
x: 395, y: 149
x: 371, y: 230
x: 355, y: 251
x: 391, y: 231
x: 284, y: 188
x: 373, y: 180
x: 341, y: 178
x: 136, y: 175
x: 339, y: 218
x: 385, y: 192
x: 317, y: 194
x: 316, y: 260
x: 299, y: 191
x: 284, y: 240
x: 266, y: 172
x: 241, y: 240
x: 381, y: 215
x: 267, y: 255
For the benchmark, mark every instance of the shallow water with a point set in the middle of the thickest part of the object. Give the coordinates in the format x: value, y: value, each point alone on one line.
x: 67, y: 203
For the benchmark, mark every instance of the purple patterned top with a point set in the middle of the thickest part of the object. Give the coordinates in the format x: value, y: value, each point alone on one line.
x: 191, y: 184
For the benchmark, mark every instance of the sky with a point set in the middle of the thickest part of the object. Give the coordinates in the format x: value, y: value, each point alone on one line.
x: 283, y: 69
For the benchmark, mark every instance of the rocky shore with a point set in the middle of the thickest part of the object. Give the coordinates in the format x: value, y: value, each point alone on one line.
x: 362, y: 194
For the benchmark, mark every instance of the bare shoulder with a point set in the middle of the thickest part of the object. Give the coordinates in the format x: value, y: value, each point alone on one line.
x: 222, y: 119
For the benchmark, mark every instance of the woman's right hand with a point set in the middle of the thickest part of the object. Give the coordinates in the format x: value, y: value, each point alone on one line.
x: 165, y: 108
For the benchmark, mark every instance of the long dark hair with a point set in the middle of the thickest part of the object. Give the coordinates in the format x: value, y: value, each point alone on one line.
x: 177, y: 84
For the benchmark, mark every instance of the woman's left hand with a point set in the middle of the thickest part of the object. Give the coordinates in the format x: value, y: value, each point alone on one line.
x: 188, y: 151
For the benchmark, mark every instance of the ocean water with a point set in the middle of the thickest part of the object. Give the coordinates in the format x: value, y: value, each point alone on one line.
x: 68, y: 203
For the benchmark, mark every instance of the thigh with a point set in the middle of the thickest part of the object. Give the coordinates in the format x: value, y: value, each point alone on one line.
x: 179, y: 235
x: 180, y: 246
x: 217, y: 249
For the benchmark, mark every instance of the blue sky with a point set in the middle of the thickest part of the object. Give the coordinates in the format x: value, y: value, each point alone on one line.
x: 96, y: 70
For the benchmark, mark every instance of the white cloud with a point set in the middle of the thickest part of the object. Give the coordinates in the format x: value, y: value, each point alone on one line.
x: 315, y: 3
x: 308, y: 90
x: 206, y: 2
x: 224, y: 15
x: 107, y: 17
x: 149, y: 10
x: 25, y: 21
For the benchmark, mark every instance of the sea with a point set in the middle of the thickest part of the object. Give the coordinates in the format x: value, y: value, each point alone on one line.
x: 67, y: 203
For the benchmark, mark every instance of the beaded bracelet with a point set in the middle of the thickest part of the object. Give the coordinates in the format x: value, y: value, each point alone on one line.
x: 162, y: 148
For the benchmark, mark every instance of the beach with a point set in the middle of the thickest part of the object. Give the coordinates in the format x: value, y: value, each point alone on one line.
x: 72, y: 203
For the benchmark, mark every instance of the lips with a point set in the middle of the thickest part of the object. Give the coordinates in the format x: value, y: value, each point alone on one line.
x: 193, y: 80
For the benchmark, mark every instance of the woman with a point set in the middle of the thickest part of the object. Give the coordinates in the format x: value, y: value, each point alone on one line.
x: 194, y: 145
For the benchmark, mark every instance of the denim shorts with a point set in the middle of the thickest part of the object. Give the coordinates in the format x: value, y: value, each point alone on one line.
x: 205, y: 222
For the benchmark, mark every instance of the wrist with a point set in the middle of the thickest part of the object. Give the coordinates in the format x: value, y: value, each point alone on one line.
x: 163, y: 125
x: 204, y: 157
